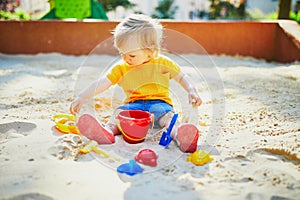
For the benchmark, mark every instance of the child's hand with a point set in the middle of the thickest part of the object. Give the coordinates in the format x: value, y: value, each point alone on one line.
x: 194, y: 99
x: 193, y: 96
x: 76, y: 106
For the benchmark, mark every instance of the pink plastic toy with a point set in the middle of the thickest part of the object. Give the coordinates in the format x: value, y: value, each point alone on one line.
x: 147, y: 157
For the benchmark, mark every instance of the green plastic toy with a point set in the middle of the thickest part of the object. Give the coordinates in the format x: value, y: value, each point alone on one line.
x: 77, y: 9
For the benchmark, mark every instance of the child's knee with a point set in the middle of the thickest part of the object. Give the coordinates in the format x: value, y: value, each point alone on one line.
x: 165, y: 120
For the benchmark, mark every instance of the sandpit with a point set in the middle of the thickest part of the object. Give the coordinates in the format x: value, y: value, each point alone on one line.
x: 256, y: 145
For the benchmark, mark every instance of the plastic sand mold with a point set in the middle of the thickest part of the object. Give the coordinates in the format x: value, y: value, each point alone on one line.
x: 200, y: 157
x: 147, y: 157
x: 66, y: 123
x: 131, y: 168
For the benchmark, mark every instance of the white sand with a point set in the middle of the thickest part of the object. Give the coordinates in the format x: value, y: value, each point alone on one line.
x: 256, y: 147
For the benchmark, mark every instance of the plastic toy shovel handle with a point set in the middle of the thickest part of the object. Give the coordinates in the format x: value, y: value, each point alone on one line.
x: 166, y: 137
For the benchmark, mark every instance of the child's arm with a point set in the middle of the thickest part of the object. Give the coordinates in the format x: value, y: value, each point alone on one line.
x: 95, y: 88
x: 193, y: 95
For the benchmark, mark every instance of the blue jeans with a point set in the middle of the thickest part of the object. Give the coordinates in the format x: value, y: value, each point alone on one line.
x: 157, y: 107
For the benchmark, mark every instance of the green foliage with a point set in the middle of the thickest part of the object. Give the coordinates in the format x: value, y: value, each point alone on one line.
x: 272, y: 16
x: 165, y: 10
x: 295, y: 16
x: 111, y: 5
x: 257, y: 14
x: 18, y: 14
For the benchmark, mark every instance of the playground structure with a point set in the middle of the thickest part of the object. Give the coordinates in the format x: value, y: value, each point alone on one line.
x: 270, y: 40
x: 78, y: 9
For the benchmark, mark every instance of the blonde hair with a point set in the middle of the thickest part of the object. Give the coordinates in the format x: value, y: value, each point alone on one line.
x: 145, y: 30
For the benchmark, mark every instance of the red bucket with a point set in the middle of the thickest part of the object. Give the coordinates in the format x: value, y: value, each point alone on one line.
x: 134, y: 125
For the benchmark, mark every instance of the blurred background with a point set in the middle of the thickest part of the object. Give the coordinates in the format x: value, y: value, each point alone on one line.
x: 179, y: 10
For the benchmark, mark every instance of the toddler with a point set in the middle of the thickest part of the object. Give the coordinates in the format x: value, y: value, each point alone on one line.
x: 144, y: 75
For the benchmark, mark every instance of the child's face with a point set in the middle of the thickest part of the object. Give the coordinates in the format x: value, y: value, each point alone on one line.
x: 137, y: 57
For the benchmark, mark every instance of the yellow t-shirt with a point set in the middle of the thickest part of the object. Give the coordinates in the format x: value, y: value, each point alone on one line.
x: 149, y: 81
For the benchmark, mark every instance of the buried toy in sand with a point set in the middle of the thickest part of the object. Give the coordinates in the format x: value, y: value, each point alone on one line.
x: 72, y: 146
